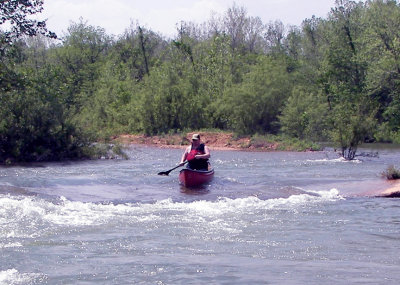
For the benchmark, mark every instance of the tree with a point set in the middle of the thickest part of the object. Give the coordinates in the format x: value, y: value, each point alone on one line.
x: 254, y: 105
x: 382, y: 50
x: 33, y: 125
x: 79, y: 61
x: 351, y: 125
x: 312, y: 49
x: 305, y: 115
x: 30, y: 125
x: 245, y: 32
x: 274, y: 37
x: 215, y: 77
x: 14, y: 15
x: 16, y: 12
x: 235, y: 23
x: 344, y: 78
x: 184, y: 44
x: 336, y: 76
x: 136, y: 51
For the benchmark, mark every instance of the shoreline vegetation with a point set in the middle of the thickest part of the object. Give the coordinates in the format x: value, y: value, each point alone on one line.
x: 392, y: 189
x: 392, y: 176
x: 230, y: 142
x: 331, y: 79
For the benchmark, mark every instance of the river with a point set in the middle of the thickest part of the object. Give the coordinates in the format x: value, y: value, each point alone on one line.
x: 266, y: 218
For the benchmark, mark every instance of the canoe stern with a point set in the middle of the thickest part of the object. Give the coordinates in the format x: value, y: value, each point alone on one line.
x: 192, y: 178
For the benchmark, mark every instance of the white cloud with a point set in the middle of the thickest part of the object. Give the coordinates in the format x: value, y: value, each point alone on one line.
x: 163, y: 15
x: 113, y: 17
x: 165, y: 20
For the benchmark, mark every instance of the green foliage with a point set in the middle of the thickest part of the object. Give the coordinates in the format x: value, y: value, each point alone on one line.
x: 330, y: 79
x: 382, y: 50
x: 282, y: 142
x: 305, y: 115
x: 79, y: 61
x: 17, y: 14
x: 215, y: 76
x: 254, y: 105
x: 385, y: 134
x: 352, y: 124
x: 344, y: 69
x: 30, y: 130
x: 34, y: 123
x: 391, y: 173
x: 171, y: 100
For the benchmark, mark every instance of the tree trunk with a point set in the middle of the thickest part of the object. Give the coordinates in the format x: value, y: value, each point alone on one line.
x: 146, y: 65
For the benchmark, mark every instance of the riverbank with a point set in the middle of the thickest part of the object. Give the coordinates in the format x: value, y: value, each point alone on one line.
x: 228, y: 141
x: 215, y: 140
x: 392, y: 190
x: 293, y: 203
x: 219, y: 141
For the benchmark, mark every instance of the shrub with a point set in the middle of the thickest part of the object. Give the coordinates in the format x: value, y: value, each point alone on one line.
x: 391, y: 173
x: 282, y: 142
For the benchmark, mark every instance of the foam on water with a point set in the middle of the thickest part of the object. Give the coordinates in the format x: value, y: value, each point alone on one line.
x: 252, y: 204
x: 23, y: 218
x: 128, y: 224
x: 10, y: 245
x: 13, y: 277
x: 27, y: 216
x: 335, y: 160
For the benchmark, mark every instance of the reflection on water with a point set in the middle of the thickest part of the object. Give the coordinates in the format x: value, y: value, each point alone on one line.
x: 199, y: 190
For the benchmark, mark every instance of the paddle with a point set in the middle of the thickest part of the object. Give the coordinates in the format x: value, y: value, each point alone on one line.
x: 168, y: 171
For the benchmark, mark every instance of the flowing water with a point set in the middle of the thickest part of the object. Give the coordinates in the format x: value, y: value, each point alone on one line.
x: 266, y: 218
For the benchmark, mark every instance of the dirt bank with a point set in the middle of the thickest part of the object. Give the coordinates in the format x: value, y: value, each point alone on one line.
x: 227, y: 141
x: 392, y: 190
x: 214, y: 140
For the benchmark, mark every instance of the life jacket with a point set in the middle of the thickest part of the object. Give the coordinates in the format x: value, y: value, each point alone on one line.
x: 198, y: 164
x: 192, y: 155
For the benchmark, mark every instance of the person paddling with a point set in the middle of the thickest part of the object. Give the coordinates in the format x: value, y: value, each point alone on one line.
x: 197, y: 154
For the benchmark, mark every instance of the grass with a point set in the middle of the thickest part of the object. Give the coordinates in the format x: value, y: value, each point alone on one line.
x: 391, y: 173
x: 283, y: 143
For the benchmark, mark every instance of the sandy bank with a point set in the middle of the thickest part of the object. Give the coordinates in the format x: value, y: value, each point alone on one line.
x: 227, y: 141
x: 214, y: 140
x: 392, y: 190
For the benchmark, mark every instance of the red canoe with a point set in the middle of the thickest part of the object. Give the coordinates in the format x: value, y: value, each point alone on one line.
x: 192, y: 178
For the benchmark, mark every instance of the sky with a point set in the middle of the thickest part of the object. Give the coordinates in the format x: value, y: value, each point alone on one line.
x: 162, y: 16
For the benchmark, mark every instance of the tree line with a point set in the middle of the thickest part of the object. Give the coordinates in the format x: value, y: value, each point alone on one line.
x: 330, y: 79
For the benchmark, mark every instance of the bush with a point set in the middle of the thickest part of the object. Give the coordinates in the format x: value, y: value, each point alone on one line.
x: 305, y: 115
x: 283, y: 143
x: 391, y: 173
